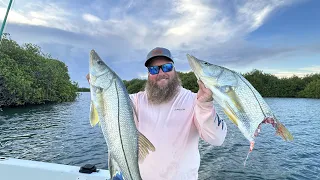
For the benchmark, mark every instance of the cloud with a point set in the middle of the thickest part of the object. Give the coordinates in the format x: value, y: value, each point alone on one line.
x: 124, y: 31
x: 179, y: 25
x: 44, y: 13
x: 175, y: 24
x: 287, y: 74
x: 91, y: 18
x: 300, y: 72
x: 313, y: 69
x: 143, y: 75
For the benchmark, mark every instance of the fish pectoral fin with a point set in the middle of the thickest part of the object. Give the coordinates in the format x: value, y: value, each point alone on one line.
x: 231, y: 114
x: 144, y: 147
x: 234, y: 98
x: 94, y: 118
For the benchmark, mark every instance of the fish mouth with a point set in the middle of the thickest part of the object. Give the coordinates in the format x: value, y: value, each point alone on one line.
x: 94, y: 57
x: 97, y: 66
x: 194, y: 64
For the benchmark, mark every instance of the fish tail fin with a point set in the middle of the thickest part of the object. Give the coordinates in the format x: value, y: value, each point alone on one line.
x: 250, y: 150
x: 282, y: 131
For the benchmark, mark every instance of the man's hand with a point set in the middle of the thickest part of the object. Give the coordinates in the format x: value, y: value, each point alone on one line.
x: 204, y: 94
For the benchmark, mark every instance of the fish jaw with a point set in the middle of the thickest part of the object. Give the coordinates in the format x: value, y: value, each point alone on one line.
x: 198, y: 67
x: 96, y: 65
x: 195, y: 66
x: 204, y: 69
x: 101, y: 76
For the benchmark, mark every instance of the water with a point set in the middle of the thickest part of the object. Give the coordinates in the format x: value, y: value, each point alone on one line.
x: 61, y: 133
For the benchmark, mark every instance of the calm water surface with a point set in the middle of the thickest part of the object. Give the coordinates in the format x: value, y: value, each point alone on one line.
x: 61, y: 133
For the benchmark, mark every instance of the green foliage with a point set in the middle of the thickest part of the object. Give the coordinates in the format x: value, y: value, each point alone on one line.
x: 266, y: 84
x: 83, y: 89
x: 135, y: 85
x: 271, y: 86
x: 28, y: 76
x: 312, y: 90
x: 189, y: 81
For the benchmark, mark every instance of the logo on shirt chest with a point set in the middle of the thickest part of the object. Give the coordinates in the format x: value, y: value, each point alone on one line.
x: 179, y: 109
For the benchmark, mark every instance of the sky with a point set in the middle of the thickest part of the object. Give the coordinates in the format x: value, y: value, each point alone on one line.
x: 281, y: 37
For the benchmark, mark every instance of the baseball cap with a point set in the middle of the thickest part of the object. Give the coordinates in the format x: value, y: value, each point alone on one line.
x: 158, y: 52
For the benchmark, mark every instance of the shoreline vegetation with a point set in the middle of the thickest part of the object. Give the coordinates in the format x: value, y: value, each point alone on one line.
x: 30, y: 77
x: 267, y: 85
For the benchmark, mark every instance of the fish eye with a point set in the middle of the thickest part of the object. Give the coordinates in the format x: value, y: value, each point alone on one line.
x: 100, y: 62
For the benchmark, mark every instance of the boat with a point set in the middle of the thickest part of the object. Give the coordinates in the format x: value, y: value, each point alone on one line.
x: 17, y: 169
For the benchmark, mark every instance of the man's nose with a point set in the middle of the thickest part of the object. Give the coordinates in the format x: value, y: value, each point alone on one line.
x: 161, y: 72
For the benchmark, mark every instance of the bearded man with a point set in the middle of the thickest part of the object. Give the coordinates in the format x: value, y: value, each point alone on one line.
x: 173, y: 118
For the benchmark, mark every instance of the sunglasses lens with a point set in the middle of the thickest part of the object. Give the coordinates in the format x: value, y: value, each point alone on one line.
x: 153, y: 70
x: 167, y: 67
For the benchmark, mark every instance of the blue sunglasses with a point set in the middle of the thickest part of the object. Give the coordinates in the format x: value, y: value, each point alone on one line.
x: 165, y: 68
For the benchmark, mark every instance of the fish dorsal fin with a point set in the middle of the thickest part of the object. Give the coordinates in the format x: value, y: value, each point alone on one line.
x: 231, y: 114
x: 144, y: 147
x: 94, y: 118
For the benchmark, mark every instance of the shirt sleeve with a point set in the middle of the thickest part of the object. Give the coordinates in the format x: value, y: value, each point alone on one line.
x: 211, y: 128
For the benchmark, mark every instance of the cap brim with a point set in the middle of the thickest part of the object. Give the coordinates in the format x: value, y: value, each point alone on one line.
x: 150, y: 59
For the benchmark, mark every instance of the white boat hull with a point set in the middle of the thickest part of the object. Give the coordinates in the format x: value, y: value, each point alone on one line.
x: 19, y: 169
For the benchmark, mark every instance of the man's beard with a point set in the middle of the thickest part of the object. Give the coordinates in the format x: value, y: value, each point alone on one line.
x: 158, y: 95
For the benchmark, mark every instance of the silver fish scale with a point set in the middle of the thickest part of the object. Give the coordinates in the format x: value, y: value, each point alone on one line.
x: 255, y: 107
x: 120, y: 130
x: 227, y: 78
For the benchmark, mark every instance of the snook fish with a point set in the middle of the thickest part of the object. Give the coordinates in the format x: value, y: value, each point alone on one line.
x: 240, y: 101
x: 111, y: 106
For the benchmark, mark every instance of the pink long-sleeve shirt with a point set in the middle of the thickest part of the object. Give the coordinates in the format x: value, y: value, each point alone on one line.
x: 174, y: 129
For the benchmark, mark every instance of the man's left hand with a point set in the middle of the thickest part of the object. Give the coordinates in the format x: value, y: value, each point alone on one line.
x: 204, y: 94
